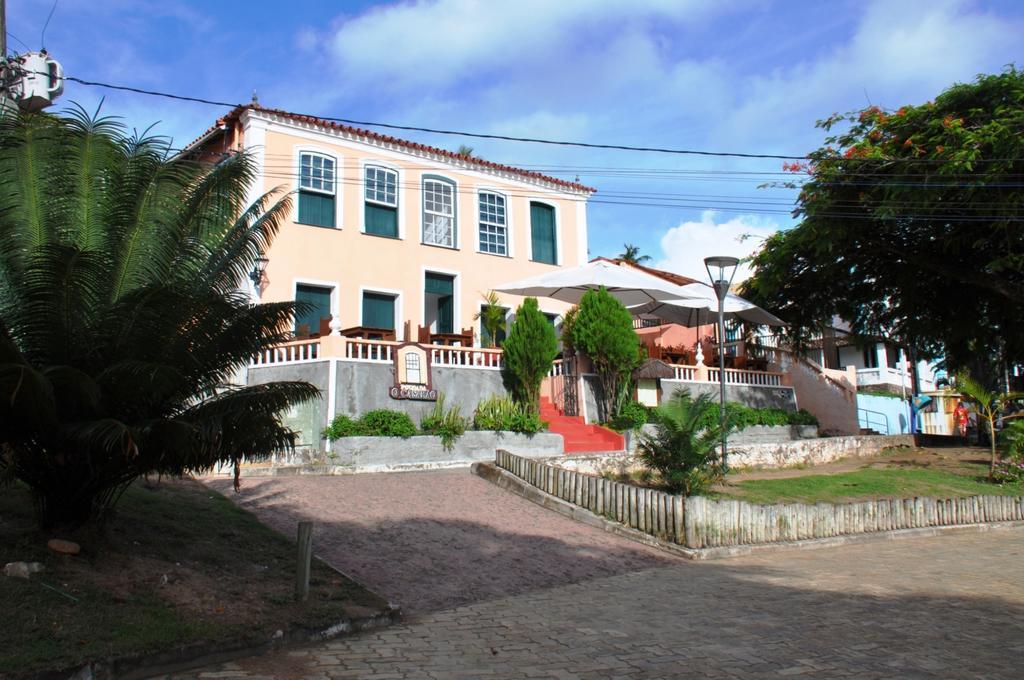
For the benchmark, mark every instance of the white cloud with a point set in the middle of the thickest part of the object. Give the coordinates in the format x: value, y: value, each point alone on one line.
x: 686, y: 246
x: 434, y: 43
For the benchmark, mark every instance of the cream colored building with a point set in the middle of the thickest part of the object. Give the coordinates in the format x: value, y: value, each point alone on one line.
x: 387, y: 233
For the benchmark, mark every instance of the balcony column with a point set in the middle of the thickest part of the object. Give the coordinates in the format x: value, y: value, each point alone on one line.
x: 881, y: 357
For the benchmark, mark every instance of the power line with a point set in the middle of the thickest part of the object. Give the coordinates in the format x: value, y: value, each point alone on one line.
x: 532, y: 140
x: 457, y: 133
x: 42, y: 35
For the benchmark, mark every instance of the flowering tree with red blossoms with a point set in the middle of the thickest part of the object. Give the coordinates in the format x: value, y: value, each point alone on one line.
x: 911, y: 227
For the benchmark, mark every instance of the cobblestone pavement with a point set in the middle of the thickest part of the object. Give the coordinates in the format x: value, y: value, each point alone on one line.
x: 433, y: 540
x: 950, y: 606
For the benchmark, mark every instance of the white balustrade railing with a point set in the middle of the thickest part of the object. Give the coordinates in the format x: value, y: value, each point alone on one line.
x: 733, y: 376
x: 293, y: 352
x: 379, y: 351
x: 685, y: 372
x: 557, y: 368
x: 465, y: 357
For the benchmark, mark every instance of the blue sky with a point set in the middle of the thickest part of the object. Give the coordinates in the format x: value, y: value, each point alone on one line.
x: 744, y: 75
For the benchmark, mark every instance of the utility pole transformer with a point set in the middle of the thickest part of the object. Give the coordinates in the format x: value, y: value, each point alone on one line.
x: 29, y: 82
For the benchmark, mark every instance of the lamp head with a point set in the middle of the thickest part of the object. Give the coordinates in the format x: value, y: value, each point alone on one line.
x: 721, y: 269
x: 258, y: 269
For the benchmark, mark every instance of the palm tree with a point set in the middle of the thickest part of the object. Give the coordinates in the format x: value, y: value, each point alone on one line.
x: 492, y: 317
x: 632, y: 255
x: 684, y: 447
x: 121, y: 322
x: 989, y: 405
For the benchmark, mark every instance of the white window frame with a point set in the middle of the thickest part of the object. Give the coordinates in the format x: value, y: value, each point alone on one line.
x: 454, y: 186
x: 559, y: 250
x: 508, y: 217
x: 457, y: 294
x: 333, y: 155
x: 322, y: 283
x: 399, y: 307
x: 400, y: 194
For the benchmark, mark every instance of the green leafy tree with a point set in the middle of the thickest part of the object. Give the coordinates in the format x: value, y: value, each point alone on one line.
x: 910, y: 229
x: 530, y: 349
x: 492, y: 317
x: 989, y: 406
x: 121, y: 323
x: 684, y: 448
x: 631, y: 254
x: 603, y: 330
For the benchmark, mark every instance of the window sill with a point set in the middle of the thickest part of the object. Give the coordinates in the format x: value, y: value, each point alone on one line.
x: 503, y: 255
x: 387, y: 236
x: 550, y: 264
x: 318, y: 226
x: 438, y: 245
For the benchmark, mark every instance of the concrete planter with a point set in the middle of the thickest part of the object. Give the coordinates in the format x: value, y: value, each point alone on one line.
x: 373, y: 454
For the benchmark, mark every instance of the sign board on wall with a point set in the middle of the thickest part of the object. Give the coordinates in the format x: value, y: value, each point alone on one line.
x: 412, y: 374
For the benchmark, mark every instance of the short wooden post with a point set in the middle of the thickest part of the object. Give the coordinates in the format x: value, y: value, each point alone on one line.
x: 305, y: 557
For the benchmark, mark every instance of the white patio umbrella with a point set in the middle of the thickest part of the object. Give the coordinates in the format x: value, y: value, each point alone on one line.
x: 700, y: 308
x: 629, y: 286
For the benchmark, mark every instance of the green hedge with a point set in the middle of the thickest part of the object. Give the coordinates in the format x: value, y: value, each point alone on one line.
x: 378, y: 423
x: 742, y: 417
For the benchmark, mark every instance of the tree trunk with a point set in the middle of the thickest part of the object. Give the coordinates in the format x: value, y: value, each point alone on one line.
x: 992, y: 444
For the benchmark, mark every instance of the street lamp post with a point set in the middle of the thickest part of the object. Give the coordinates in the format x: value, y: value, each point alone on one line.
x: 721, y: 269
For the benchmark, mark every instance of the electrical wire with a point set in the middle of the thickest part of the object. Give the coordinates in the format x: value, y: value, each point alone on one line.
x: 533, y: 140
x: 42, y: 35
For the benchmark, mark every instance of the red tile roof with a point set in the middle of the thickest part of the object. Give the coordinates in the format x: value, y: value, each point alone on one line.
x: 671, y: 277
x: 237, y: 112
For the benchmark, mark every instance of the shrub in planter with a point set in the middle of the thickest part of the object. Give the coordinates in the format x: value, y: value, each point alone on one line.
x: 631, y: 416
x: 387, y: 423
x: 503, y: 414
x: 343, y: 426
x: 448, y: 424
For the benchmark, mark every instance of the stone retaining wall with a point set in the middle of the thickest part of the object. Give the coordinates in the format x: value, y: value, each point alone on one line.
x: 699, y: 522
x: 813, y: 451
x: 746, y: 454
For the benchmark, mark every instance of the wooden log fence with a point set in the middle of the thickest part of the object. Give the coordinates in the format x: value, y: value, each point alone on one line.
x: 699, y: 522
x: 652, y: 512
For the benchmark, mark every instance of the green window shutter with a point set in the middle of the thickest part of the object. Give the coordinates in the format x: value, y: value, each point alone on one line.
x: 379, y: 311
x: 542, y: 232
x: 439, y: 284
x: 445, y: 314
x: 318, y: 300
x: 381, y: 220
x: 316, y: 209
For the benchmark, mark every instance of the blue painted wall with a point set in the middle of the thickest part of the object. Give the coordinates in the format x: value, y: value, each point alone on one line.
x: 895, y: 411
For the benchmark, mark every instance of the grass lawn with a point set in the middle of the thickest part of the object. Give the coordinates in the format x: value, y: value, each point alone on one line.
x: 177, y: 564
x: 869, y: 483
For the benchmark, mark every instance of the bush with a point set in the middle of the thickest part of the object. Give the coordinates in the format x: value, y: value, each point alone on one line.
x: 530, y: 349
x: 742, y: 417
x: 631, y: 416
x: 1013, y: 441
x: 380, y: 423
x: 503, y: 414
x: 387, y: 423
x: 603, y: 330
x: 1009, y: 473
x: 344, y: 426
x: 449, y: 425
x: 684, y: 448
